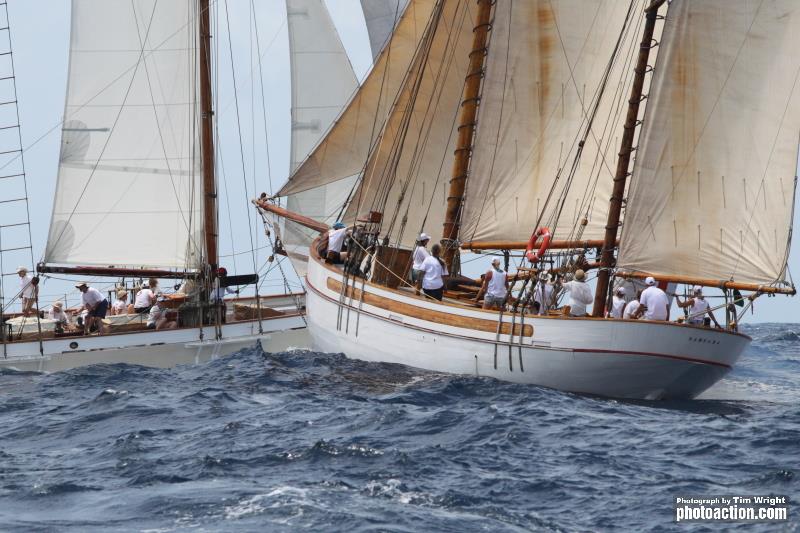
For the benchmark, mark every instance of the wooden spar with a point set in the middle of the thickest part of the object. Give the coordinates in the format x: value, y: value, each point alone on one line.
x: 623, y: 161
x: 522, y: 245
x: 291, y: 215
x: 113, y: 272
x: 207, y: 141
x: 466, y: 130
x: 720, y: 284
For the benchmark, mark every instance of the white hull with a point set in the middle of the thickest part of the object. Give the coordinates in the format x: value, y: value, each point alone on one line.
x: 163, y: 348
x: 615, y: 358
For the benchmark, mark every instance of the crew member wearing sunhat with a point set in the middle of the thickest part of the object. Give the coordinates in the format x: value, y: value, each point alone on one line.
x: 96, y: 306
x: 57, y: 313
x: 120, y: 305
x: 698, y: 307
x: 420, y: 254
x: 580, y: 294
x: 618, y: 303
x: 28, y: 291
x: 495, y: 287
x: 654, y: 301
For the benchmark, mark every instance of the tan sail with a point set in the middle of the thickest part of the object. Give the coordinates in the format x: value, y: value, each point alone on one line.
x: 712, y: 190
x: 546, y: 60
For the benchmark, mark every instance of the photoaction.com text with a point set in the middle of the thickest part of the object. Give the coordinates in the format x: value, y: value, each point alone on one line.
x: 731, y: 508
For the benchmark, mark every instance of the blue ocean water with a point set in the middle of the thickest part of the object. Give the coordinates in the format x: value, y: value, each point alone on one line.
x: 297, y: 440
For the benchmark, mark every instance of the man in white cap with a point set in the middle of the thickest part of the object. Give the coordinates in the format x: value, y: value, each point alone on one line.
x: 618, y: 303
x: 580, y: 294
x: 543, y: 294
x: 495, y: 287
x: 420, y: 254
x: 28, y: 291
x: 96, y: 306
x: 654, y: 301
x: 698, y: 307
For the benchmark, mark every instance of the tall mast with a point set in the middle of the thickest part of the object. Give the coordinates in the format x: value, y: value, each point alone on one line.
x: 207, y: 140
x: 466, y: 130
x: 624, y: 159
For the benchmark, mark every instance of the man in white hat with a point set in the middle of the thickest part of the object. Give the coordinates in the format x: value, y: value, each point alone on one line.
x: 543, y: 294
x: 58, y: 314
x: 495, y: 287
x: 654, y: 301
x: 420, y: 254
x: 618, y: 303
x: 96, y: 306
x: 698, y: 307
x: 28, y: 291
x: 580, y: 294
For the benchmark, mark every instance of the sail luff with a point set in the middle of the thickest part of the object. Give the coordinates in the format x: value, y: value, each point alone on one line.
x: 624, y: 161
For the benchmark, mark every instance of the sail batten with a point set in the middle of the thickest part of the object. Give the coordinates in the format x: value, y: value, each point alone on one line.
x: 708, y: 196
x: 129, y: 183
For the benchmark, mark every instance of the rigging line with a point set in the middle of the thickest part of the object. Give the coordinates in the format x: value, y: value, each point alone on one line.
x: 101, y: 91
x: 110, y: 133
x: 239, y: 129
x: 263, y: 99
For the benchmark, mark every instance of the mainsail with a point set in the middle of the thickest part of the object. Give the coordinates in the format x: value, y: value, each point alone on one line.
x: 322, y: 82
x: 712, y: 192
x: 381, y: 17
x: 545, y: 70
x: 129, y: 182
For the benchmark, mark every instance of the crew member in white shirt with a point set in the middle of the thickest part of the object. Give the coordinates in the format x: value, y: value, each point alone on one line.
x: 157, y: 317
x: 433, y: 271
x: 120, y: 305
x: 57, y: 313
x: 631, y: 311
x: 28, y: 291
x: 146, y: 297
x: 580, y: 295
x: 420, y: 254
x: 654, y: 301
x: 543, y: 294
x: 698, y: 307
x: 495, y: 287
x: 96, y: 306
x: 618, y: 303
x: 336, y: 237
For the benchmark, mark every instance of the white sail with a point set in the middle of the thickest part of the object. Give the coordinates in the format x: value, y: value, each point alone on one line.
x: 344, y: 150
x: 381, y: 17
x: 546, y: 61
x: 712, y: 190
x: 129, y: 182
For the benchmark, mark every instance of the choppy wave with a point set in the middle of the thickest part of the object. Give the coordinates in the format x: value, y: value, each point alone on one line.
x: 299, y: 439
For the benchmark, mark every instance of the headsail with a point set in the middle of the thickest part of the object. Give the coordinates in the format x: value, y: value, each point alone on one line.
x: 381, y: 17
x: 546, y: 64
x: 712, y: 190
x: 129, y: 182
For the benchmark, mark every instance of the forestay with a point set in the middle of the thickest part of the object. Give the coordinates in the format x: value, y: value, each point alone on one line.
x: 712, y: 190
x: 129, y: 182
x: 381, y: 17
x: 545, y: 67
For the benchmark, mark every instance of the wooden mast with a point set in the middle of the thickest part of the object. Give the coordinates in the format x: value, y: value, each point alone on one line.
x: 207, y: 141
x: 623, y: 161
x: 466, y: 130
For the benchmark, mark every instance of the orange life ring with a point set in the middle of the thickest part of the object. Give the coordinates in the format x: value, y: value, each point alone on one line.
x: 544, y: 233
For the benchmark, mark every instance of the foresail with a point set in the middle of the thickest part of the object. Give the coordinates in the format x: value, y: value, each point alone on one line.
x: 345, y: 148
x: 547, y: 60
x: 712, y: 190
x: 381, y: 17
x: 129, y: 184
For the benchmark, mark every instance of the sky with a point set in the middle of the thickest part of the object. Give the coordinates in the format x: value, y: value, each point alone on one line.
x: 40, y: 35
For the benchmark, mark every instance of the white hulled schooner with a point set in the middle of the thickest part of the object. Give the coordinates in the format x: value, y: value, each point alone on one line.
x: 647, y: 138
x: 136, y: 194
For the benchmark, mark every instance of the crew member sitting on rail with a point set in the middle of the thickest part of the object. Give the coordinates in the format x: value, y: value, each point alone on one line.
x: 618, y: 303
x: 336, y: 237
x: 433, y: 271
x: 632, y: 308
x: 420, y: 254
x: 495, y: 287
x: 543, y: 294
x: 159, y: 318
x: 96, y: 306
x: 57, y: 313
x: 654, y: 301
x: 698, y: 308
x: 120, y: 305
x: 28, y: 291
x: 580, y: 294
x: 146, y: 297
